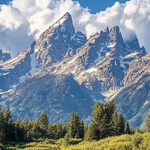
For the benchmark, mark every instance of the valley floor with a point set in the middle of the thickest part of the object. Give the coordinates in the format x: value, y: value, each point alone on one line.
x: 123, y: 142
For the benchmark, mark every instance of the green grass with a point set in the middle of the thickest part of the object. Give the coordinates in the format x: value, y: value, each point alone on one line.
x: 123, y: 142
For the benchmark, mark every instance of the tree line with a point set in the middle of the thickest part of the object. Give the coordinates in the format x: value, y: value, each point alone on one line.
x: 105, y: 122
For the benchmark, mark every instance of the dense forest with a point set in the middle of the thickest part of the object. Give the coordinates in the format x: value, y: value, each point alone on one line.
x: 105, y: 122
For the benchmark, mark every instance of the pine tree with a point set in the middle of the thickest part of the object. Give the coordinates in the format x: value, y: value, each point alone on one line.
x: 19, y: 132
x: 115, y: 125
x: 43, y: 123
x: 92, y: 133
x: 148, y: 123
x: 1, y: 126
x: 100, y: 120
x: 127, y: 128
x: 121, y: 124
x: 8, y: 125
x: 34, y: 129
x: 75, y: 127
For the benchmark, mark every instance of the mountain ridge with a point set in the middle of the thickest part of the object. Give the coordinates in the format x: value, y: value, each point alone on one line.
x: 100, y: 68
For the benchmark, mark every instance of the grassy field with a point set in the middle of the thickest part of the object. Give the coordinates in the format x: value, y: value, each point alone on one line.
x: 124, y: 142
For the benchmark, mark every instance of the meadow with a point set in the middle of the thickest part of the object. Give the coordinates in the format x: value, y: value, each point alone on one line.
x: 138, y: 141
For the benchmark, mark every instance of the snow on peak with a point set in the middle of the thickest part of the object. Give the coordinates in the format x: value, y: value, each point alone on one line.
x: 62, y: 20
x: 35, y: 67
x: 111, y: 45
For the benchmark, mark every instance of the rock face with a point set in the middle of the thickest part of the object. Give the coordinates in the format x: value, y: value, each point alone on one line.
x: 13, y: 69
x: 134, y: 98
x: 53, y: 44
x: 58, y: 96
x: 49, y: 48
x: 63, y: 72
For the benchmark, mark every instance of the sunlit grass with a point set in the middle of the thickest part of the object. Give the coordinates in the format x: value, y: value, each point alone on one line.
x: 123, y: 142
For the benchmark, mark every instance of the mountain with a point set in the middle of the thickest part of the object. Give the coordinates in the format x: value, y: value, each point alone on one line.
x: 53, y: 44
x: 97, y: 63
x: 63, y: 71
x: 51, y: 47
x: 57, y: 96
x: 134, y: 98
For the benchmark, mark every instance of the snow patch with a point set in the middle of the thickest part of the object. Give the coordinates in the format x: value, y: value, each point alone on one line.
x: 87, y: 71
x: 73, y: 60
x: 62, y: 29
x: 131, y: 55
x: 72, y: 95
x: 60, y: 22
x: 23, y: 77
x: 36, y: 49
x: 34, y: 64
x: 73, y: 72
x: 111, y: 45
x: 91, y: 70
x: 146, y: 103
x: 122, y: 63
x: 99, y: 55
x: 107, y: 54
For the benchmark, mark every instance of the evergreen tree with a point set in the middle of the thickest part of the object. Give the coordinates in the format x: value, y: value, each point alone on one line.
x: 92, y: 133
x: 148, y: 123
x: 43, y: 123
x: 100, y: 120
x: 34, y: 129
x: 115, y: 125
x: 1, y: 126
x: 19, y: 131
x: 8, y: 125
x: 121, y: 124
x: 76, y: 127
x: 127, y: 128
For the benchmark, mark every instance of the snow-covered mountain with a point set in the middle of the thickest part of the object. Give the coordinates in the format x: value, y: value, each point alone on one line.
x: 63, y: 72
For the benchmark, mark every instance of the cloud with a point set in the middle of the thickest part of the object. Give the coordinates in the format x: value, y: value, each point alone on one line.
x: 21, y: 21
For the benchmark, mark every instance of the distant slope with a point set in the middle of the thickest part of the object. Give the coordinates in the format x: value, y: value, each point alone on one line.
x: 134, y: 99
x: 57, y: 96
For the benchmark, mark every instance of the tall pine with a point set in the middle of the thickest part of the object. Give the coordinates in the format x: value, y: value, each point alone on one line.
x: 75, y: 127
x: 43, y: 123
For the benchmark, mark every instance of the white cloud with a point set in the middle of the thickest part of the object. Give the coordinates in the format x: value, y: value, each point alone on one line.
x: 23, y: 20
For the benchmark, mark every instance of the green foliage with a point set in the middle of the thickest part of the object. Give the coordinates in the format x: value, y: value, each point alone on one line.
x: 137, y: 140
x: 148, y: 123
x: 127, y: 128
x: 1, y: 126
x: 106, y: 121
x: 91, y: 133
x: 43, y: 123
x: 75, y: 127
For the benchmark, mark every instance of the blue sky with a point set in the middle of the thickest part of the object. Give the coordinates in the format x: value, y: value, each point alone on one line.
x: 98, y: 5
x: 93, y: 5
x: 4, y: 1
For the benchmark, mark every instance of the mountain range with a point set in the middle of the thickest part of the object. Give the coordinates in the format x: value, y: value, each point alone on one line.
x: 64, y: 72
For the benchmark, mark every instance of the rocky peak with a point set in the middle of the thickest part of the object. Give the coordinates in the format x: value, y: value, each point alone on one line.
x: 133, y: 44
x: 4, y: 56
x: 63, y: 23
x: 53, y: 44
x: 116, y: 36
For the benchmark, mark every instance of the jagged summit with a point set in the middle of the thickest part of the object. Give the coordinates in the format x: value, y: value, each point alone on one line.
x: 53, y: 44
